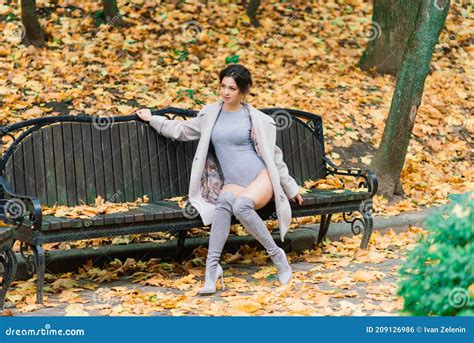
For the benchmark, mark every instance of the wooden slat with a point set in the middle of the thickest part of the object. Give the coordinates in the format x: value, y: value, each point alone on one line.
x: 173, y: 172
x: 48, y: 146
x: 97, y: 220
x: 109, y: 219
x: 98, y: 161
x: 77, y: 223
x: 154, y: 167
x: 110, y: 189
x: 303, y: 153
x: 119, y: 218
x: 79, y: 166
x: 18, y: 169
x: 148, y: 212
x: 286, y: 149
x: 144, y: 159
x: 59, y: 166
x: 29, y: 171
x: 53, y: 223
x: 161, y: 142
x: 296, y: 165
x: 9, y: 174
x: 69, y: 160
x: 158, y: 211
x: 135, y: 160
x: 117, y: 162
x: 40, y: 173
x: 308, y: 138
x: 319, y: 158
x: 126, y: 163
x: 180, y: 168
x: 89, y: 171
x: 138, y: 216
x: 128, y: 217
x: 169, y: 210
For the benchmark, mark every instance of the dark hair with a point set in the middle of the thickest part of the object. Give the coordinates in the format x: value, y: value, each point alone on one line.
x: 240, y: 74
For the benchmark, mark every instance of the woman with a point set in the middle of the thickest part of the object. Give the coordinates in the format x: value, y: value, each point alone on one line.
x: 242, y: 171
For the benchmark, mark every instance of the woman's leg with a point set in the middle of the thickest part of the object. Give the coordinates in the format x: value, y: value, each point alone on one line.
x: 220, y: 229
x: 256, y: 195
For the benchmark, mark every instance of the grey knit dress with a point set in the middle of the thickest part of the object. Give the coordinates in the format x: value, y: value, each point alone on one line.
x: 237, y: 157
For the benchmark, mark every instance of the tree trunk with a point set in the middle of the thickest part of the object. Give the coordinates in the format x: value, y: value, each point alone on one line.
x: 390, y: 156
x: 252, y: 12
x: 392, y: 23
x: 112, y: 13
x: 33, y: 33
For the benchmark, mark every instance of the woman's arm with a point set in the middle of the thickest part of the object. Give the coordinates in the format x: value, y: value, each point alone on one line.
x: 181, y: 130
x: 290, y: 187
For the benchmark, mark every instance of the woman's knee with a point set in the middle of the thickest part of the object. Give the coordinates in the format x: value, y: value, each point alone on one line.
x: 226, y: 200
x: 242, y: 205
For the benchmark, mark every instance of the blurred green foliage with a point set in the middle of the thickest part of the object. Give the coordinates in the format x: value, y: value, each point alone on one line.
x: 437, y: 277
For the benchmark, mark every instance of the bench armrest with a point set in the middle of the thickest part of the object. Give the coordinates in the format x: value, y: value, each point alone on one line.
x: 370, y: 178
x: 23, y: 207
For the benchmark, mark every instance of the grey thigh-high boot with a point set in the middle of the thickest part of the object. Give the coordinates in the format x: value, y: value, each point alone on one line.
x: 244, y: 210
x: 220, y: 230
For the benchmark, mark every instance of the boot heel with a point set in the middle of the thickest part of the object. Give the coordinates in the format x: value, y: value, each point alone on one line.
x: 210, y: 285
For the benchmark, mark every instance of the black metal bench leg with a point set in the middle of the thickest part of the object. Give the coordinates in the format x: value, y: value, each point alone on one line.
x: 179, y: 256
x: 324, y: 226
x: 40, y: 271
x: 368, y: 224
x: 9, y: 263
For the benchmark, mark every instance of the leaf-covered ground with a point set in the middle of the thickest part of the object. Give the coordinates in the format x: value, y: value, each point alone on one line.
x: 303, y: 57
x: 336, y: 280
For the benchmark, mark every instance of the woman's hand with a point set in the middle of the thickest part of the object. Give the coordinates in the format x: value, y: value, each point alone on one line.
x: 299, y: 198
x: 144, y: 114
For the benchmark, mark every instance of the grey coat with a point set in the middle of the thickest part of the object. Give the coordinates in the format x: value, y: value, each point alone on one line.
x: 206, y: 177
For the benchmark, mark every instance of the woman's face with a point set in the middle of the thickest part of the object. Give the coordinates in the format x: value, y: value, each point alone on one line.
x: 229, y: 91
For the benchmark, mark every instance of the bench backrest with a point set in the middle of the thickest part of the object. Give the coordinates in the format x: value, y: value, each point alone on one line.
x: 71, y: 163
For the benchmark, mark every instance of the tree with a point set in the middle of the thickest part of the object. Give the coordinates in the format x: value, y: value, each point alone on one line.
x: 392, y: 23
x: 112, y: 13
x: 252, y: 8
x: 33, y: 33
x: 390, y: 156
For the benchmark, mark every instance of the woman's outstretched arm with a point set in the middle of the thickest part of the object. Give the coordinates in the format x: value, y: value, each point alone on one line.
x: 181, y: 130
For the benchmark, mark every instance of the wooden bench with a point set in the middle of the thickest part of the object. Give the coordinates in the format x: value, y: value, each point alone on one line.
x: 8, y: 262
x: 73, y: 159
